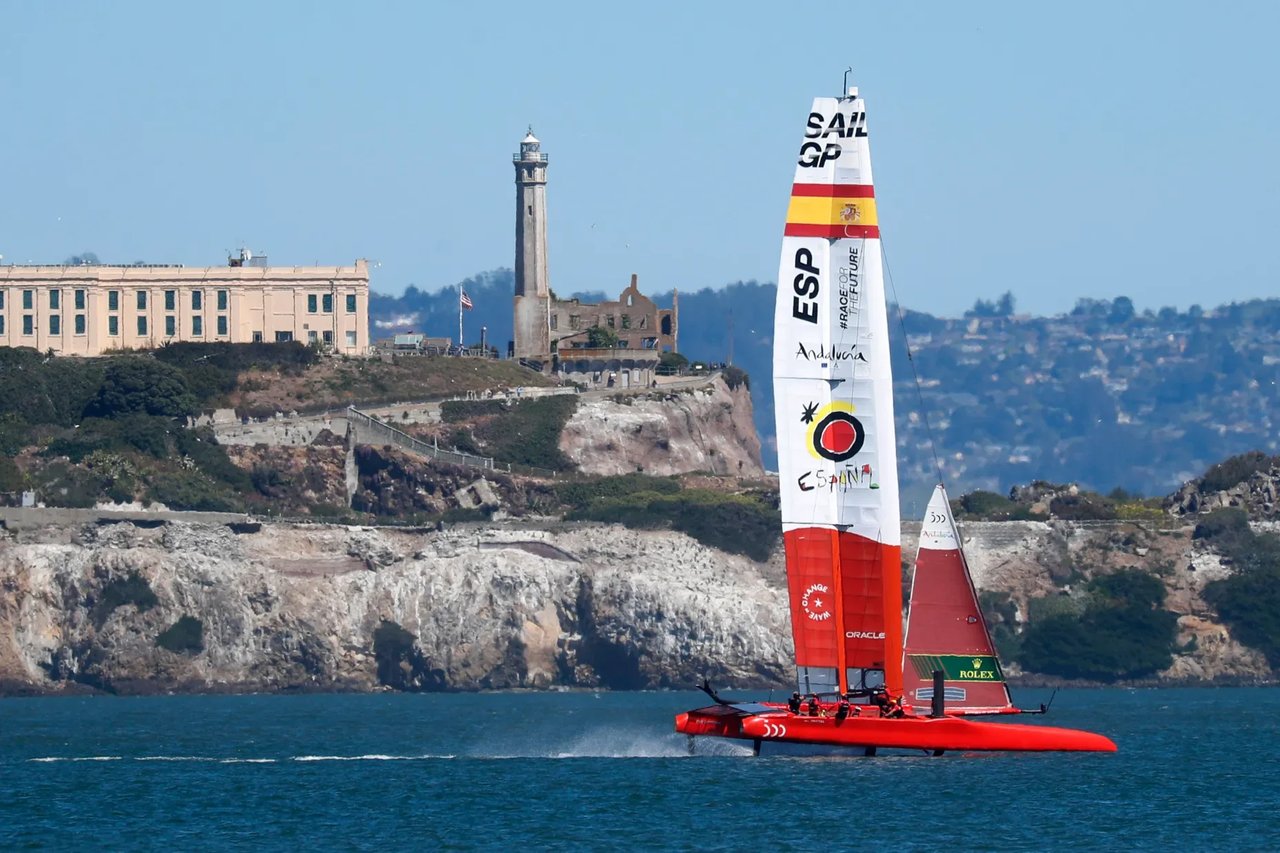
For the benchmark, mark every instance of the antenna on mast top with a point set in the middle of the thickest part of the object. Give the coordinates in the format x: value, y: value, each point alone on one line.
x: 845, y: 91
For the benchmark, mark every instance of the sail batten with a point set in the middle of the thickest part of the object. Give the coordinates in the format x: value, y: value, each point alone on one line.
x: 834, y: 411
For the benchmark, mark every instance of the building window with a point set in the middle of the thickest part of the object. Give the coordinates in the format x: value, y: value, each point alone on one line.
x: 197, y: 326
x: 575, y: 322
x: 555, y: 322
x: 257, y: 337
x: 626, y: 321
x: 1, y: 300
x: 327, y: 337
x: 170, y: 300
x: 284, y: 337
x: 351, y: 339
x: 28, y: 299
x: 611, y: 321
x: 351, y: 303
x: 113, y: 326
x: 311, y: 303
x: 197, y: 300
x: 312, y: 338
x: 624, y: 345
x: 28, y: 325
x: 80, y: 324
x: 644, y: 321
x: 327, y: 303
x: 142, y: 325
x: 1, y: 325
x: 113, y: 300
x: 142, y: 300
x: 79, y: 300
x: 222, y: 325
x: 222, y: 300
x: 55, y: 300
x: 55, y: 324
x: 170, y: 326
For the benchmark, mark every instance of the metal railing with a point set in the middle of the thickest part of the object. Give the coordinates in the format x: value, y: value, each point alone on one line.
x: 391, y: 435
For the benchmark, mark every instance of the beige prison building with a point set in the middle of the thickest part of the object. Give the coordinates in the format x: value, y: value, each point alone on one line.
x: 93, y: 309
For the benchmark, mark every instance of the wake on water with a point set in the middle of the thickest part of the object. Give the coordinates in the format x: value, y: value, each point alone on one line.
x: 606, y: 742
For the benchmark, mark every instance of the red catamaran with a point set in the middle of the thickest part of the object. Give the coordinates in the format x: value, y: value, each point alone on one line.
x: 838, y: 476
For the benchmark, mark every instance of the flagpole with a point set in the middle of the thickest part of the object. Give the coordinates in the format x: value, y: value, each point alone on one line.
x: 459, y: 316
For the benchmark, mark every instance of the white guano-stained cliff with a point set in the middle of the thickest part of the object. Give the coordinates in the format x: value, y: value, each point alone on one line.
x: 661, y: 432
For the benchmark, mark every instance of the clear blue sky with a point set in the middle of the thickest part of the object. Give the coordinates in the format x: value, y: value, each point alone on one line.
x: 1055, y: 150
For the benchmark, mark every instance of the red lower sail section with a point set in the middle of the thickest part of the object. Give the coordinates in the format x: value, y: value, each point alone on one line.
x: 867, y: 731
x: 846, y: 601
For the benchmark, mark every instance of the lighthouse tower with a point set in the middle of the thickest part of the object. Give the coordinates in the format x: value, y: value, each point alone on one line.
x: 532, y: 333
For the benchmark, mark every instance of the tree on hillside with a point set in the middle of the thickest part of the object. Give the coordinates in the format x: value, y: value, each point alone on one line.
x: 1121, y: 310
x: 143, y: 386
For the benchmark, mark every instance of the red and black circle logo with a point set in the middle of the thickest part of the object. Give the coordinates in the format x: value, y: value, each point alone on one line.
x: 838, y: 436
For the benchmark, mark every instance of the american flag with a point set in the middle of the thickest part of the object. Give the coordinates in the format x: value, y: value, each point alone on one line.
x: 464, y: 300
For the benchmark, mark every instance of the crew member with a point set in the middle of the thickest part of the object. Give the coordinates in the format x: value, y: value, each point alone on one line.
x: 814, y: 709
x: 892, y: 707
x: 793, y: 704
x: 842, y: 710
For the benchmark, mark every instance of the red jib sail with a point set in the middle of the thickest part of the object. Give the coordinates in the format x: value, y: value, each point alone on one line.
x: 945, y: 628
x: 837, y: 463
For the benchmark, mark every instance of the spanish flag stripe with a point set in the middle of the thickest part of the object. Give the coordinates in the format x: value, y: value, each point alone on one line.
x: 834, y: 190
x: 831, y: 232
x: 832, y: 211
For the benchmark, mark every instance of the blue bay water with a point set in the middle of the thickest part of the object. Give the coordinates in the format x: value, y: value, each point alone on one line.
x: 1197, y: 769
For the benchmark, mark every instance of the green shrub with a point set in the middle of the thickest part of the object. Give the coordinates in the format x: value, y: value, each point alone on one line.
x: 736, y: 524
x: 1001, y: 614
x: 1123, y: 632
x: 581, y: 493
x: 191, y: 490
x: 527, y: 432
x: 1248, y: 600
x: 1234, y: 471
x: 735, y: 376
x: 11, y: 477
x: 291, y: 356
x: 601, y: 337
x: 138, y: 384
x: 1228, y: 523
x: 1085, y: 506
x: 673, y: 360
x: 460, y: 411
x: 60, y: 484
x: 185, y: 635
x: 985, y: 505
x: 202, y: 448
x: 36, y: 389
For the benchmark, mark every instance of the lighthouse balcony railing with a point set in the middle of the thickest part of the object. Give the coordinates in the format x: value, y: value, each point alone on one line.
x: 531, y: 157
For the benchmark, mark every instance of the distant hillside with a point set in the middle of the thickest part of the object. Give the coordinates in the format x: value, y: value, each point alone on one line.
x: 1104, y: 396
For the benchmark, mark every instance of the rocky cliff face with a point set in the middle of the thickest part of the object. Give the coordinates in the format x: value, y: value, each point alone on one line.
x: 1030, y: 559
x: 288, y: 607
x: 317, y: 607
x: 661, y: 432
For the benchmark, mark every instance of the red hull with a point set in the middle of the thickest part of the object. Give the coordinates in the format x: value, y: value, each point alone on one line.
x: 925, y: 733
